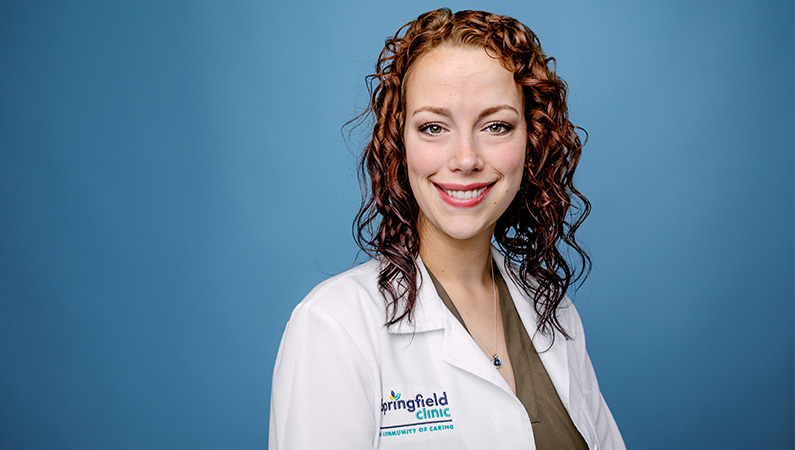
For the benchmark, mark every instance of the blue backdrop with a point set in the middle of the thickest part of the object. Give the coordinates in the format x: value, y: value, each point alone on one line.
x: 173, y: 180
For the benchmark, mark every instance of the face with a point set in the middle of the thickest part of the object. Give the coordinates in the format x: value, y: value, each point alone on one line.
x: 465, y: 138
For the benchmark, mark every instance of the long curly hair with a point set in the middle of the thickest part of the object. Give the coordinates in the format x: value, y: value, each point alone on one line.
x: 539, y: 225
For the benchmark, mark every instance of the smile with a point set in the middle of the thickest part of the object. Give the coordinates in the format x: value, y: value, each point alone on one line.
x: 463, y: 196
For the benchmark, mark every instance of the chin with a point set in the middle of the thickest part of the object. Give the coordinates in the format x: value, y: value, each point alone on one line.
x: 464, y: 233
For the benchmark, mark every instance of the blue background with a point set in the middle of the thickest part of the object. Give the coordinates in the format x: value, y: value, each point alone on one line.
x: 173, y: 180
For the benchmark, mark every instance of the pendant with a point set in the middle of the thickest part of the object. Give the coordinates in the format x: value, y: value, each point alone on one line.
x: 497, y: 362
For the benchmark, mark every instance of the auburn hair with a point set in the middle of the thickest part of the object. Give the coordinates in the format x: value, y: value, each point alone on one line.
x: 539, y: 225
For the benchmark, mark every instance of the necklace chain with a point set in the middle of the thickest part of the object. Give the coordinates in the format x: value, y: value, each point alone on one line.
x: 495, y: 357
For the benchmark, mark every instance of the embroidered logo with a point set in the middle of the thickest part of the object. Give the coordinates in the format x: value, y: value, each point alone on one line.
x: 417, y: 414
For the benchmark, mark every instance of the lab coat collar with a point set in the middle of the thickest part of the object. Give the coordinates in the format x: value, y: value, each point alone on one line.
x: 428, y: 311
x: 431, y: 314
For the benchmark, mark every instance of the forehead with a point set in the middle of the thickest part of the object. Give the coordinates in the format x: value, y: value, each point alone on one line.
x: 451, y: 75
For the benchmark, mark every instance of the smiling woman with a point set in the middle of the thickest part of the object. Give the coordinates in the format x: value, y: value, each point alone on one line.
x: 465, y: 141
x: 442, y: 340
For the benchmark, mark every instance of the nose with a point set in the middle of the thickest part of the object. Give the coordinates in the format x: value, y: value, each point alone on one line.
x: 465, y: 155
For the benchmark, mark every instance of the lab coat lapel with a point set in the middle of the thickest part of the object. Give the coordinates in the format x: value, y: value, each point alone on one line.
x: 458, y: 347
x: 460, y: 350
x: 553, y: 353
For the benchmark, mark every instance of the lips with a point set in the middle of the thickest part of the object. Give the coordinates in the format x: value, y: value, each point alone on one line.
x: 463, y: 195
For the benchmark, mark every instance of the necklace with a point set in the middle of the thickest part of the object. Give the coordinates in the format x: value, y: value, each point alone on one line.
x: 494, y: 357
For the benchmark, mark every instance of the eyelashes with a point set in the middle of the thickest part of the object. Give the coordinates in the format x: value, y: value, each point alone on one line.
x: 431, y: 128
x: 497, y: 128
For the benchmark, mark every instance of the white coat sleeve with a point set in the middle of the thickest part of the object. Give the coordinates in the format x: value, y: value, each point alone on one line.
x: 608, y: 436
x: 323, y: 388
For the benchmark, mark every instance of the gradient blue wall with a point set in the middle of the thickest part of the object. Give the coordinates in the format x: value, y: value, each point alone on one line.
x: 173, y: 180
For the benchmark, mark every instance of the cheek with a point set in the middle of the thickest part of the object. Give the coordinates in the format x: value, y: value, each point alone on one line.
x: 512, y: 165
x: 420, y: 161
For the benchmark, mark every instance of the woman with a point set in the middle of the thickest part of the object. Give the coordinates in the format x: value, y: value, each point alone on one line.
x: 442, y: 341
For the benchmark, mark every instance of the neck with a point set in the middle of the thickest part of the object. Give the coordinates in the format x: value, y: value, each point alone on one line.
x: 465, y: 262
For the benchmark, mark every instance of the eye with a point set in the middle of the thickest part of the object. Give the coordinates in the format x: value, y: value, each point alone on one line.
x: 432, y: 129
x: 498, y: 128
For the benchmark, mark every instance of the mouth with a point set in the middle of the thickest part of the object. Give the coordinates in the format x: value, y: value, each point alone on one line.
x: 464, y: 195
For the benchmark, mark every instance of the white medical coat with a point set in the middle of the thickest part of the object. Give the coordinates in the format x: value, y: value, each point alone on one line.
x: 343, y: 380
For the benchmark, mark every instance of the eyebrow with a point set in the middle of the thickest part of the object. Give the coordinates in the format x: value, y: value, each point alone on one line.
x: 493, y: 109
x: 434, y: 109
x: 447, y: 113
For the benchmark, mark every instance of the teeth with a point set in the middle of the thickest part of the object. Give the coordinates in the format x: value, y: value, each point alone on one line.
x: 465, y: 195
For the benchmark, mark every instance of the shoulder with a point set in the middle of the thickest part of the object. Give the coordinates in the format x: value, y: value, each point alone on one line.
x: 353, y: 288
x: 350, y: 300
x: 362, y: 279
x: 330, y: 345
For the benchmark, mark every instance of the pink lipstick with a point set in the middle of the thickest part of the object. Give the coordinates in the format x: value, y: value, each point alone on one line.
x: 463, y: 195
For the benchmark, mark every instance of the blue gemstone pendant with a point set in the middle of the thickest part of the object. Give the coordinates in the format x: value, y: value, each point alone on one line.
x: 497, y: 362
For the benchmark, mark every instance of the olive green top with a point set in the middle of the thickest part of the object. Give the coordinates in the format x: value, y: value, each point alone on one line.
x: 552, y: 426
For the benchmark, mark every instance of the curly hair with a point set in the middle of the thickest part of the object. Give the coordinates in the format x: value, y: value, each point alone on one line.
x: 538, y: 226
